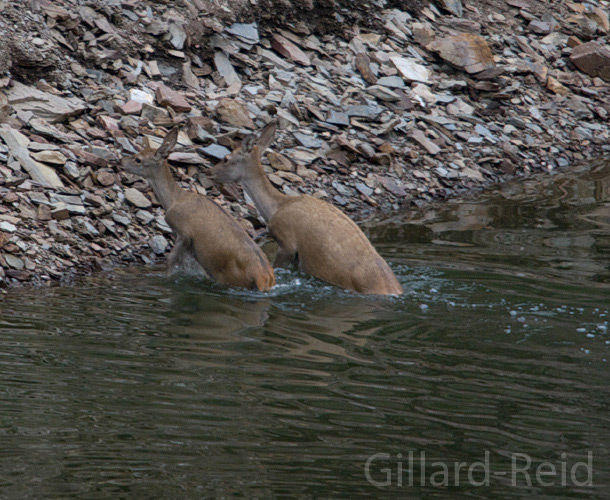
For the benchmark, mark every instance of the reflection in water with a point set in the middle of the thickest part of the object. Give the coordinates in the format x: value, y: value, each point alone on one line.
x: 136, y: 386
x: 558, y: 226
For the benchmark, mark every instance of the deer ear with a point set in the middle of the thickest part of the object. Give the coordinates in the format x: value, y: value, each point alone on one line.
x: 169, y: 143
x: 266, y: 136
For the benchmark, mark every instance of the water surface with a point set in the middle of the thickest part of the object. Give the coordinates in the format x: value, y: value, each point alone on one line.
x: 136, y: 386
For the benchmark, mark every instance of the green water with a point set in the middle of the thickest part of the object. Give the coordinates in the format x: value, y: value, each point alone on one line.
x: 136, y: 386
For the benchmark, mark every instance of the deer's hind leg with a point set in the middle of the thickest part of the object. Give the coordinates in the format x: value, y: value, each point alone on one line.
x: 182, y: 259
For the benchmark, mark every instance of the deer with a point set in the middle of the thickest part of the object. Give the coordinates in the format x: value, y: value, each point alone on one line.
x: 310, y: 232
x: 206, y: 235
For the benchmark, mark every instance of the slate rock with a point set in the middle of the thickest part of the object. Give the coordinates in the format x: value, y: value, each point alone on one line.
x: 215, y: 151
x: 410, y: 70
x: 137, y: 198
x: 52, y: 108
x: 593, y: 59
x: 170, y: 98
x: 466, y: 51
x: 54, y: 157
x: 289, y: 50
x: 158, y: 244
x: 235, y: 112
x: 18, y: 146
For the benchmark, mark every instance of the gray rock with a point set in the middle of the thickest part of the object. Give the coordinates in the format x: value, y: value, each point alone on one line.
x: 144, y: 216
x: 178, y: 36
x: 337, y: 118
x: 363, y: 111
x: 71, y: 170
x: 215, y: 151
x: 18, y: 145
x: 225, y: 68
x: 14, y: 262
x: 158, y: 244
x: 308, y: 141
x: 52, y: 108
x: 247, y: 32
x: 121, y: 219
x: 393, y: 82
x: 364, y: 189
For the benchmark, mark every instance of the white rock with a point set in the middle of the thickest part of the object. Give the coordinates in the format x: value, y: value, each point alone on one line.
x: 7, y: 227
x: 141, y: 96
x: 410, y: 70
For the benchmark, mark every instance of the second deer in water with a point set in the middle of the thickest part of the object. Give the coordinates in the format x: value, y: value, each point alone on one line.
x: 203, y: 230
x: 323, y: 240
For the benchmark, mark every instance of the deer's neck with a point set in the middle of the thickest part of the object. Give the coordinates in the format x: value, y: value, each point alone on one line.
x: 258, y: 187
x: 165, y: 187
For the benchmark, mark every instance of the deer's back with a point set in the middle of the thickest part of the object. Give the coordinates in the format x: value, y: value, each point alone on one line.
x: 223, y: 248
x: 331, y: 246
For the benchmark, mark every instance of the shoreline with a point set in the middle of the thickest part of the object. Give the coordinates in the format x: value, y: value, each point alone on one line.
x: 372, y: 118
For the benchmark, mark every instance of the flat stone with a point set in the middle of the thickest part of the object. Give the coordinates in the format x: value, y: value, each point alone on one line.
x: 153, y: 113
x: 121, y: 219
x: 105, y: 178
x: 71, y: 170
x: 383, y: 93
x: 593, y: 59
x: 7, y: 227
x: 364, y: 189
x: 423, y: 92
x: 54, y: 157
x: 307, y: 141
x: 215, y: 151
x: 363, y: 111
x: 144, y: 216
x: 247, y: 32
x: 393, y: 82
x: 52, y: 108
x: 178, y: 36
x: 419, y: 136
x: 18, y: 146
x: 170, y: 98
x: 466, y: 51
x: 158, y: 244
x: 60, y: 212
x: 289, y: 50
x: 410, y: 70
x: 131, y: 107
x: 137, y: 198
x: 554, y: 86
x: 226, y: 69
x: 540, y: 27
x: 141, y: 96
x: 39, y: 146
x: 338, y: 118
x: 14, y: 262
x: 188, y: 158
x: 235, y: 112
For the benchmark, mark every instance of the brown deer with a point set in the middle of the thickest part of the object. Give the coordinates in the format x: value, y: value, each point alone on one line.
x: 313, y: 233
x: 204, y: 231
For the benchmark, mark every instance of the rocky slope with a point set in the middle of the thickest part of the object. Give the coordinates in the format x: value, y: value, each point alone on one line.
x: 380, y: 104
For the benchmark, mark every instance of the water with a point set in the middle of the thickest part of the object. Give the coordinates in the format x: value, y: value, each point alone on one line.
x: 136, y: 386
